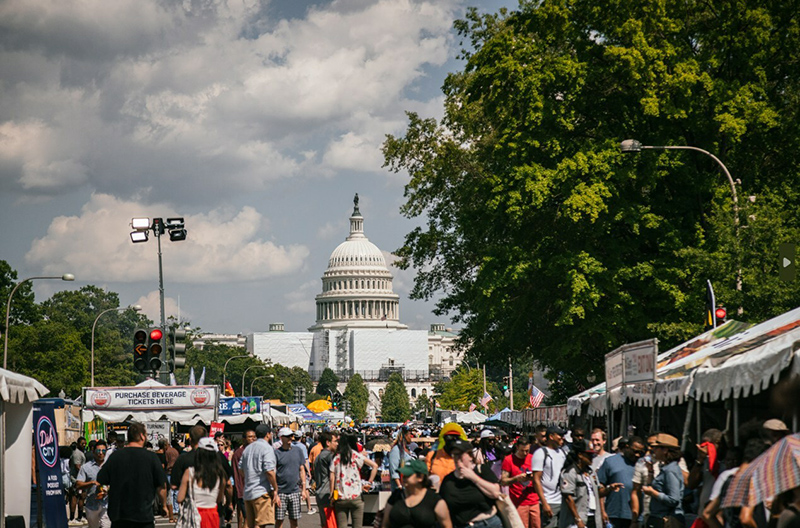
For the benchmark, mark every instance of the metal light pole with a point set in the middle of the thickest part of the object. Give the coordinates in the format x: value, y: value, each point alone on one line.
x: 135, y: 308
x: 245, y: 373
x: 64, y: 277
x: 258, y: 378
x: 226, y: 366
x: 632, y: 145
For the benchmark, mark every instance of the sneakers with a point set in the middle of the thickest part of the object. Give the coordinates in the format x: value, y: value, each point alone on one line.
x: 312, y: 511
x: 75, y: 522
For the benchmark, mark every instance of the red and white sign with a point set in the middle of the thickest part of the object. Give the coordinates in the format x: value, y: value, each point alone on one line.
x: 216, y: 427
x: 164, y: 398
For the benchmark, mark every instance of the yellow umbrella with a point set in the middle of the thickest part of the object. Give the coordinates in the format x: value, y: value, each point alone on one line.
x: 319, y: 406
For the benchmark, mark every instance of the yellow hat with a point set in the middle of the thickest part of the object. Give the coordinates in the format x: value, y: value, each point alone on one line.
x: 451, y: 428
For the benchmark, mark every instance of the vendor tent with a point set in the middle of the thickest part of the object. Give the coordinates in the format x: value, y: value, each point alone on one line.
x: 17, y: 394
x: 471, y: 418
x: 499, y: 416
x: 151, y: 401
x: 305, y: 413
x: 319, y: 406
x: 731, y: 361
x: 281, y: 418
x: 237, y: 410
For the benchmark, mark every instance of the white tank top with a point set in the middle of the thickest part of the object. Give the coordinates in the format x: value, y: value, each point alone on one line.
x: 205, y: 498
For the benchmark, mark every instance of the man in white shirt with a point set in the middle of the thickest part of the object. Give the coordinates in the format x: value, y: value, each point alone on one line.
x: 598, y: 440
x: 546, y: 465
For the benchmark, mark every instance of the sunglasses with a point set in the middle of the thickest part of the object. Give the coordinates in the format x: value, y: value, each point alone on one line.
x: 99, y: 450
x: 638, y: 453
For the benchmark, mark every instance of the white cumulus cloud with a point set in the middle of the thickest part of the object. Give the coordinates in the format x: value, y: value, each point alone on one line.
x: 221, y: 246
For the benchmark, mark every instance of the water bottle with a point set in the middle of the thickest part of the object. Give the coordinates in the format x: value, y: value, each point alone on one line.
x: 609, y: 525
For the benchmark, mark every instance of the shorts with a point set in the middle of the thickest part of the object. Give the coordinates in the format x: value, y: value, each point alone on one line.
x: 290, y: 502
x: 259, y: 512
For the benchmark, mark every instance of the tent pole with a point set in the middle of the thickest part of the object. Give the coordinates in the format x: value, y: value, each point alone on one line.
x: 736, y: 422
x: 687, y: 423
x: 697, y: 418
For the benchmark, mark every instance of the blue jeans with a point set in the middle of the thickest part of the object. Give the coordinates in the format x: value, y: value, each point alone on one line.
x: 492, y: 522
x: 172, y: 496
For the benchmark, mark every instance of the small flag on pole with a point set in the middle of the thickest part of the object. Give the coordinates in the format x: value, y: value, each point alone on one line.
x: 485, y: 400
x: 172, y: 380
x: 191, y: 376
x: 229, y: 389
x: 202, y: 377
x: 536, y: 397
x: 472, y: 407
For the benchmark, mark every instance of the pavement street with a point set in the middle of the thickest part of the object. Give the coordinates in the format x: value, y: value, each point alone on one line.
x: 306, y: 520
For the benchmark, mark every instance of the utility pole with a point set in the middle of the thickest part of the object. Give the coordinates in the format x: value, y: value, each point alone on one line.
x: 510, y: 385
x: 163, y: 372
x: 484, y: 378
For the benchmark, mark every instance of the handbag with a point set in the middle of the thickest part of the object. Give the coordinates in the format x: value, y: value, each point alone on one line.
x: 508, y: 512
x: 188, y: 516
x: 669, y: 521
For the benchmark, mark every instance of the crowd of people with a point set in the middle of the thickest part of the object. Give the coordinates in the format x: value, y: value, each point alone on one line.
x: 446, y: 478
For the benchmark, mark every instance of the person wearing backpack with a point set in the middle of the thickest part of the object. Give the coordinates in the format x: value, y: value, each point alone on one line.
x: 546, y: 465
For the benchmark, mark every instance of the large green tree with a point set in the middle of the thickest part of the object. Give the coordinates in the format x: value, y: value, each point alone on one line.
x: 328, y: 381
x: 395, y: 404
x: 464, y: 388
x: 542, y: 238
x: 358, y: 396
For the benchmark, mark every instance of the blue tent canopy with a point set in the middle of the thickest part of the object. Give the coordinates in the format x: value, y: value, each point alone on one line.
x: 497, y: 416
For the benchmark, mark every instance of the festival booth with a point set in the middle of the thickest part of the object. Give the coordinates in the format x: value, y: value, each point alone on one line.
x: 721, y: 369
x: 471, y: 418
x: 17, y: 394
x: 152, y: 403
x: 309, y: 417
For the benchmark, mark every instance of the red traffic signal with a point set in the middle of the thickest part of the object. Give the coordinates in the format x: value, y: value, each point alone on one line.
x: 156, y: 334
x: 721, y: 313
x: 154, y: 348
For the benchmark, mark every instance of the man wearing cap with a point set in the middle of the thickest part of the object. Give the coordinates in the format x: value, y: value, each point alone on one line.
x: 774, y: 430
x: 260, y: 485
x: 299, y: 444
x: 290, y: 474
x: 438, y: 460
x: 518, y: 476
x: 546, y: 465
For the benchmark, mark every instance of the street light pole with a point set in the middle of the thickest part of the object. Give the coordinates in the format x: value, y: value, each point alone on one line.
x: 64, y: 277
x: 245, y: 373
x: 258, y: 378
x: 632, y: 145
x: 135, y: 308
x: 226, y: 366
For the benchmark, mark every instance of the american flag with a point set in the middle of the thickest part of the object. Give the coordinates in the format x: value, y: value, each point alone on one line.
x: 472, y: 407
x: 536, y: 396
x: 485, y: 400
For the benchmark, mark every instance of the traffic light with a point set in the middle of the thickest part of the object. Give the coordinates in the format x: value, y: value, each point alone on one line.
x: 505, y: 383
x: 176, y: 348
x: 721, y: 314
x: 140, y: 350
x: 155, y: 346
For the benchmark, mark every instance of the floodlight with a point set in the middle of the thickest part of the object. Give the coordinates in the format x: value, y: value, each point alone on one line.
x: 174, y: 223
x: 140, y: 224
x: 139, y: 236
x: 176, y: 235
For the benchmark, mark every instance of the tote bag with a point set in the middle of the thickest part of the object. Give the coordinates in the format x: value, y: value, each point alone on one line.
x: 188, y: 516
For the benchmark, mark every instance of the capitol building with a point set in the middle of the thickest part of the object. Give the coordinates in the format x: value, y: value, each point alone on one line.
x: 358, y: 328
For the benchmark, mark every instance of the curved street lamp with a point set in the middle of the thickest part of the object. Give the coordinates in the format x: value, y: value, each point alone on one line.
x: 258, y: 378
x: 225, y: 366
x: 245, y: 373
x: 634, y: 146
x: 64, y: 277
x: 135, y: 308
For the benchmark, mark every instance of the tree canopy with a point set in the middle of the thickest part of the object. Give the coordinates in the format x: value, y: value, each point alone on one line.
x: 395, y: 404
x: 358, y: 396
x: 464, y: 388
x: 328, y: 381
x: 548, y: 243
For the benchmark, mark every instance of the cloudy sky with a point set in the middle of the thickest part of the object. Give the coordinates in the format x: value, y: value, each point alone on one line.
x: 257, y: 121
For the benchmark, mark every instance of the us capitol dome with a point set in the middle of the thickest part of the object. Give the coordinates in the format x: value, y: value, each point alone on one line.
x: 357, y: 285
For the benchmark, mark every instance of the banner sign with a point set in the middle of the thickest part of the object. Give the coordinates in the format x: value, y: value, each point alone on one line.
x: 49, y: 465
x: 216, y: 427
x: 237, y: 406
x: 631, y: 363
x: 552, y: 415
x: 156, y: 431
x: 150, y: 398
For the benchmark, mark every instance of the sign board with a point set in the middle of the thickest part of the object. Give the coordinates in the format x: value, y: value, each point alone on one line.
x: 216, y: 427
x: 156, y: 431
x: 150, y: 398
x: 49, y: 466
x: 237, y: 406
x: 631, y: 363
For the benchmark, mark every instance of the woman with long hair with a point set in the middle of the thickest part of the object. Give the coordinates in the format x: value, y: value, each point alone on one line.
x: 346, y: 481
x: 471, y: 490
x: 416, y: 505
x: 207, y: 480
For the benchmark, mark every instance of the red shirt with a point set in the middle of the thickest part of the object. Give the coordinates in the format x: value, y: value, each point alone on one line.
x: 522, y: 493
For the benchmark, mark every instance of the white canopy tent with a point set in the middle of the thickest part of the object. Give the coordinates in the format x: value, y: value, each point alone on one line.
x: 151, y: 401
x: 17, y: 394
x: 471, y: 418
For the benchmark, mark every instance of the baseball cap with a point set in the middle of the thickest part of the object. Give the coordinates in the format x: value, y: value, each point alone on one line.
x: 208, y: 444
x: 414, y: 466
x: 262, y: 430
x: 775, y: 425
x: 582, y: 446
x: 554, y: 429
x: 487, y: 433
x: 458, y: 445
x: 298, y: 433
x: 285, y: 431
